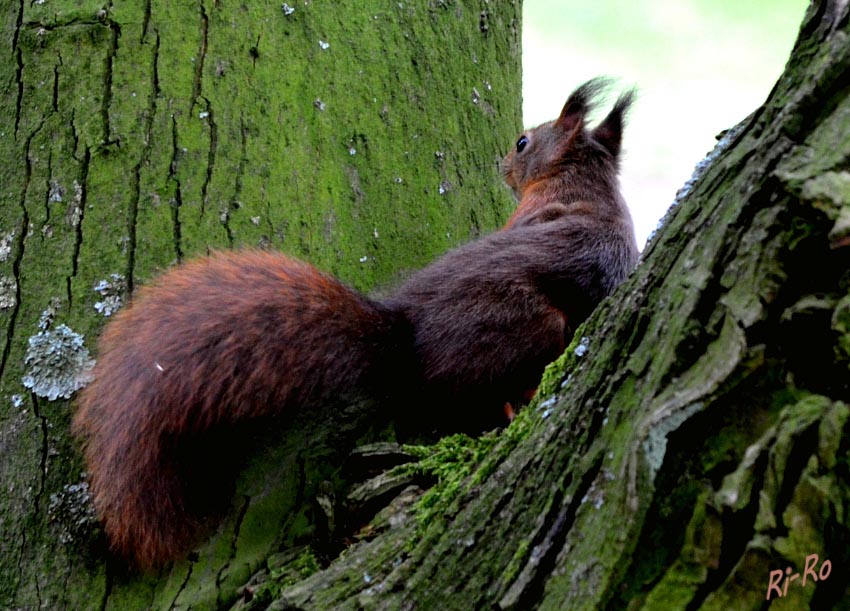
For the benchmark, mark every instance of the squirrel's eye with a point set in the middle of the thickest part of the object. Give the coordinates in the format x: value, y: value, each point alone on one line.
x: 521, y: 143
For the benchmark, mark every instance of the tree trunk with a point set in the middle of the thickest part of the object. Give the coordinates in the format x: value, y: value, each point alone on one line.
x: 690, y: 450
x: 136, y: 134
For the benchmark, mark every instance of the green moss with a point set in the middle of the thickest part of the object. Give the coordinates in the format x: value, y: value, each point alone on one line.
x: 255, y: 161
x: 517, y: 562
x: 459, y: 462
x: 283, y: 570
x: 450, y: 461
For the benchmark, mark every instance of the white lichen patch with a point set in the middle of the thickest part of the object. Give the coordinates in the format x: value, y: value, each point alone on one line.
x: 548, y: 402
x: 56, y: 192
x: 545, y: 408
x: 49, y: 314
x: 6, y: 245
x: 71, y: 512
x: 8, y: 292
x: 57, y: 363
x: 111, y: 294
x: 75, y: 212
x: 582, y: 347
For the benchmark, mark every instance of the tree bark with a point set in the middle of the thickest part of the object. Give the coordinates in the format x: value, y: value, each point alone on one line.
x: 691, y: 447
x: 137, y: 134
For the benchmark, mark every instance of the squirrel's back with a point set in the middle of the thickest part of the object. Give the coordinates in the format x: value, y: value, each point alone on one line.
x: 489, y: 315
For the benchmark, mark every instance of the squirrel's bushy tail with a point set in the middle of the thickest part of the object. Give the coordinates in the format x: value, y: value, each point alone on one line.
x: 219, y: 341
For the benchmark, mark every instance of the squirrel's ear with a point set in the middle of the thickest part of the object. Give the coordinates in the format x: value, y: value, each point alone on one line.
x: 609, y: 133
x: 580, y: 102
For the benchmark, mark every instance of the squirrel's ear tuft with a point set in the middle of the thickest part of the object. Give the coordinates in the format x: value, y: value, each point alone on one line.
x: 580, y: 102
x: 609, y: 133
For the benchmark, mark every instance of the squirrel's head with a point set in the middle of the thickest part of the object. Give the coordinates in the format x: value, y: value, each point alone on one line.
x: 565, y: 148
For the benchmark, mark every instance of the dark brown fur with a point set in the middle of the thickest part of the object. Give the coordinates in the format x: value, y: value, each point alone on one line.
x: 490, y: 315
x: 235, y: 337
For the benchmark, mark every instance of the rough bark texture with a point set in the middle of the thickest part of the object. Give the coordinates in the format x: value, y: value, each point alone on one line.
x: 695, y: 436
x: 364, y: 136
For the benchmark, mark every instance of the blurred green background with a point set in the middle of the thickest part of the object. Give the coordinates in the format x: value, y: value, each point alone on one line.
x: 700, y: 66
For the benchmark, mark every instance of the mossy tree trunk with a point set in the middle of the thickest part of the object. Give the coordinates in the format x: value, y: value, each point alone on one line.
x: 692, y: 444
x: 363, y: 136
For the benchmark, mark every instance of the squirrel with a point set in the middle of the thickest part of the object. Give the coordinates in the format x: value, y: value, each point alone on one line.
x: 236, y: 337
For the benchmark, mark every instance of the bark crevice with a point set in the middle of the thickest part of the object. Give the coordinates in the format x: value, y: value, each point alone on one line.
x: 210, y: 118
x: 199, y: 64
x: 111, y: 52
x: 19, y: 64
x: 20, y: 245
x: 177, y: 198
x: 532, y: 580
x: 78, y: 225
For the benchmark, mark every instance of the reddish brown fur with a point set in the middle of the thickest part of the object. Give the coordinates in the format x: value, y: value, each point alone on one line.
x: 214, y: 342
x: 234, y: 337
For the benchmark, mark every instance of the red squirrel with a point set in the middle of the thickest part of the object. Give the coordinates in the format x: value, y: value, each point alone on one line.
x: 238, y: 336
